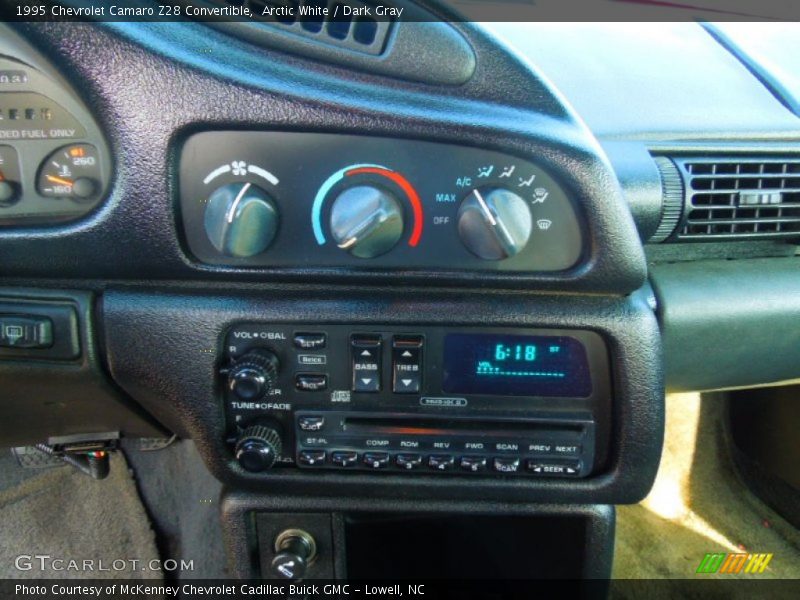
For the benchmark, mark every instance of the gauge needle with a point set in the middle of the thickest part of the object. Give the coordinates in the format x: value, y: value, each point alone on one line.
x: 66, y: 182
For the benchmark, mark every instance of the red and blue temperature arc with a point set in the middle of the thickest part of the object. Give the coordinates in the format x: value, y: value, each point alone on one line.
x: 367, y: 169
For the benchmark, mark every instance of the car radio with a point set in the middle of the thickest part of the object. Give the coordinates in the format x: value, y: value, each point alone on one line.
x: 417, y: 399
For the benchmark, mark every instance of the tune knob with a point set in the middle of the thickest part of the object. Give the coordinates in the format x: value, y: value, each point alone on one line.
x: 241, y: 220
x: 494, y: 223
x: 366, y: 220
x: 253, y: 375
x: 258, y: 448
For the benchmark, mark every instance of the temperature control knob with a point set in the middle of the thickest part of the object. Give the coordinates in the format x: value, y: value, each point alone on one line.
x: 253, y: 375
x: 241, y: 220
x: 367, y: 221
x: 258, y: 448
x: 494, y: 223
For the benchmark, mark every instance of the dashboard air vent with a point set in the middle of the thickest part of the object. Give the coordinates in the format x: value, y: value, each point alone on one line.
x: 739, y: 197
x: 343, y: 24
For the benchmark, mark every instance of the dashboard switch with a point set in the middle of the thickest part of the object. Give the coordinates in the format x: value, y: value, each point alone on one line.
x: 344, y: 458
x: 569, y: 468
x: 366, y: 360
x: 376, y: 460
x: 311, y: 382
x: 26, y: 331
x: 314, y: 423
x: 408, y: 461
x: 473, y: 464
x: 406, y: 364
x: 441, y: 462
x: 506, y: 465
x: 310, y: 341
x: 311, y: 458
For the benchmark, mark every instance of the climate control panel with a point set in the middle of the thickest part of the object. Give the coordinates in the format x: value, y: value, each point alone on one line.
x: 435, y: 400
x: 283, y: 199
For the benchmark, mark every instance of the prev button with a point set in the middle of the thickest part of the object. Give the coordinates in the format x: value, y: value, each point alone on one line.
x: 567, y: 468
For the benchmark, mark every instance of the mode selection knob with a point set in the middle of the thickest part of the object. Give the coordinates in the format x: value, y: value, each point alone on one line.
x: 253, y: 375
x: 241, y: 220
x: 494, y: 223
x: 258, y: 448
x: 366, y: 220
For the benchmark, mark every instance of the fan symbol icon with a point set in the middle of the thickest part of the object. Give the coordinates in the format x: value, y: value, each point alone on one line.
x: 239, y: 168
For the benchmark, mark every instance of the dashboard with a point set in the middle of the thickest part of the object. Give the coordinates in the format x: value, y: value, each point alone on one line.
x: 348, y: 280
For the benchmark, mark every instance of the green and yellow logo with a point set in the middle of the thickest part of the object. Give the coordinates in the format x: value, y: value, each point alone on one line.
x: 734, y: 564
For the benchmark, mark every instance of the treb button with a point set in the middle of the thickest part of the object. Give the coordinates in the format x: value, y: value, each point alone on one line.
x: 407, y: 364
x: 366, y: 361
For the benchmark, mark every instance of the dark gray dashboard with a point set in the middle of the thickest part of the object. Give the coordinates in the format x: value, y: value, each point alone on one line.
x: 181, y: 104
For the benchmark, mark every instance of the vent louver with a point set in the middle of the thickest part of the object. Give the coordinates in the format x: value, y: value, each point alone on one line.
x: 733, y: 197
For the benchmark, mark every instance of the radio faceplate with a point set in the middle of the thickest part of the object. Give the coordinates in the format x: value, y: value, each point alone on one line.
x: 422, y: 399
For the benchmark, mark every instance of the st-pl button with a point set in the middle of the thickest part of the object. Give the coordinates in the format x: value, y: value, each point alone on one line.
x: 366, y: 362
x: 311, y: 458
x: 406, y: 364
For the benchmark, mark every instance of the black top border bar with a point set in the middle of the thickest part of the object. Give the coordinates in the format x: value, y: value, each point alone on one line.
x: 299, y: 11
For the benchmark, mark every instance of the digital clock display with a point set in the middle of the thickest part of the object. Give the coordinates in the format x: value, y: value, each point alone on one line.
x: 515, y: 365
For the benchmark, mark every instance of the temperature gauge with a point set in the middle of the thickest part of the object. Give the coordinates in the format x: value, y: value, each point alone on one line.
x: 71, y: 172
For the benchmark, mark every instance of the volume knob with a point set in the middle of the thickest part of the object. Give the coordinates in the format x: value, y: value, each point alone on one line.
x: 253, y: 375
x: 258, y: 448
